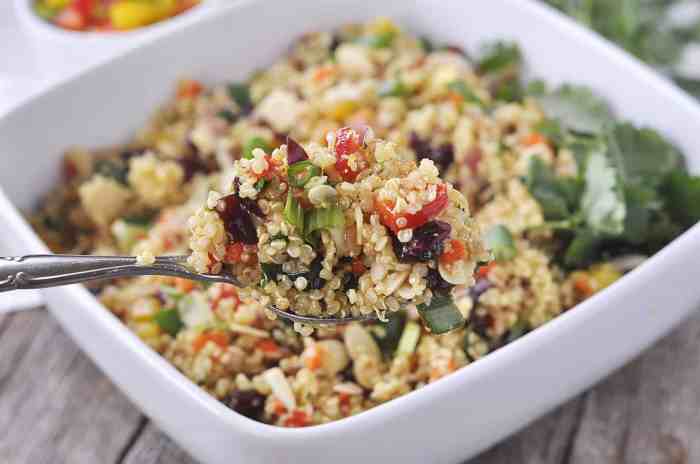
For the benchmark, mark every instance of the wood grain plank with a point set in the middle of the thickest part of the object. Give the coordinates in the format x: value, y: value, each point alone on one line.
x: 647, y: 412
x: 55, y: 405
x: 545, y: 441
x: 154, y: 447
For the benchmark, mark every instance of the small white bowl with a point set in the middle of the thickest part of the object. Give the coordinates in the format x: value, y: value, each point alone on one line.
x: 45, y: 30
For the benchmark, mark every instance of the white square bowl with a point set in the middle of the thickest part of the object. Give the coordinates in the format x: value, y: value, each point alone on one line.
x: 446, y: 421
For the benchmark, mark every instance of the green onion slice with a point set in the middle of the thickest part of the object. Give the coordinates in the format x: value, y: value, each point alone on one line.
x: 441, y: 315
x: 293, y: 212
x: 324, y: 218
x: 301, y: 172
x: 409, y: 338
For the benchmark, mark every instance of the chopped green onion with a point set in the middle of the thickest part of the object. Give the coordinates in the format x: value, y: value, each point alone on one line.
x: 227, y: 115
x: 252, y: 144
x: 169, y: 321
x: 241, y: 95
x: 301, y: 172
x: 499, y: 240
x: 324, y: 218
x: 387, y: 334
x: 293, y: 212
x: 393, y: 88
x: 442, y: 315
x: 461, y: 88
x: 409, y: 339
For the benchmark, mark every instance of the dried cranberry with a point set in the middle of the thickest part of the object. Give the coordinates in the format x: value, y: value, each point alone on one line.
x: 238, y: 221
x: 443, y: 156
x: 246, y: 402
x: 480, y: 323
x: 313, y: 278
x: 426, y: 243
x: 437, y: 284
x: 192, y: 163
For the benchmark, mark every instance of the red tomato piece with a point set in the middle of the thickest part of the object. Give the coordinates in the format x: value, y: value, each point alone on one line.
x: 233, y: 252
x: 347, y: 141
x: 297, y: 419
x: 412, y: 220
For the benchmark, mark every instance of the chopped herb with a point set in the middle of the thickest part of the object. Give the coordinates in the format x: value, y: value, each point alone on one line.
x: 499, y: 56
x: 228, y: 116
x: 260, y: 184
x: 602, y: 201
x: 270, y: 271
x: 499, y: 241
x: 393, y: 88
x: 558, y: 196
x: 169, y: 321
x: 462, y: 89
x: 381, y: 40
x: 577, y: 109
x: 252, y: 144
x: 301, y: 172
x: 241, y: 95
x: 682, y: 197
x: 324, y: 218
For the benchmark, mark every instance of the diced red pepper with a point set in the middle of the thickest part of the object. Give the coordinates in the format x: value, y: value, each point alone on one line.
x: 483, y: 271
x: 358, y: 266
x: 412, y: 220
x: 454, y: 252
x: 347, y: 145
x: 84, y: 7
x: 268, y: 346
x: 297, y: 419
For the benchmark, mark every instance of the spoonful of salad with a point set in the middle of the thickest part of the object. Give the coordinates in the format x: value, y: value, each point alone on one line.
x: 351, y: 230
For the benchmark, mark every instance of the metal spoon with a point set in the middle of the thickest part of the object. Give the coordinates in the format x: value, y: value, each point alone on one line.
x: 41, y: 271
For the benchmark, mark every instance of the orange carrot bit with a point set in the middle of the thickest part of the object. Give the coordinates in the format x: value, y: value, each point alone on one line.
x: 582, y: 284
x: 184, y: 285
x: 278, y: 407
x: 218, y: 337
x: 535, y: 138
x: 188, y: 88
x: 323, y: 73
x: 312, y: 357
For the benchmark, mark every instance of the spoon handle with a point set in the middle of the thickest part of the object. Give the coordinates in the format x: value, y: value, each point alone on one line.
x: 40, y: 271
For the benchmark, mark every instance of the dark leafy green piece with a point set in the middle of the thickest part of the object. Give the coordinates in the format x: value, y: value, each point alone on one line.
x: 169, y: 321
x: 112, y: 169
x: 499, y: 56
x: 558, y: 196
x: 577, y: 109
x: 252, y: 144
x: 387, y: 334
x: 682, y: 197
x: 582, y: 249
x: 240, y: 93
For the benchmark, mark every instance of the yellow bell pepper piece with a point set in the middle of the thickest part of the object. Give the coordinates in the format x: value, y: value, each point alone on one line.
x: 130, y: 14
x: 604, y: 275
x: 56, y: 4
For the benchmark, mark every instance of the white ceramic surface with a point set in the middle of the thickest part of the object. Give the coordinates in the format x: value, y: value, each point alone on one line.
x: 446, y: 421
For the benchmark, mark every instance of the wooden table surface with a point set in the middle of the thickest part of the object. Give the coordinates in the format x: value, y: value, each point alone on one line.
x: 57, y: 407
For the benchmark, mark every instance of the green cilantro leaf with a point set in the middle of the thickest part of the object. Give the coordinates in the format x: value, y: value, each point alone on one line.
x: 558, y: 196
x: 682, y: 197
x: 577, y: 109
x: 602, y: 201
x: 499, y: 56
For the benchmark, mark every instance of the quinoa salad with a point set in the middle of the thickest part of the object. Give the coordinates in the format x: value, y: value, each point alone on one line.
x: 366, y: 171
